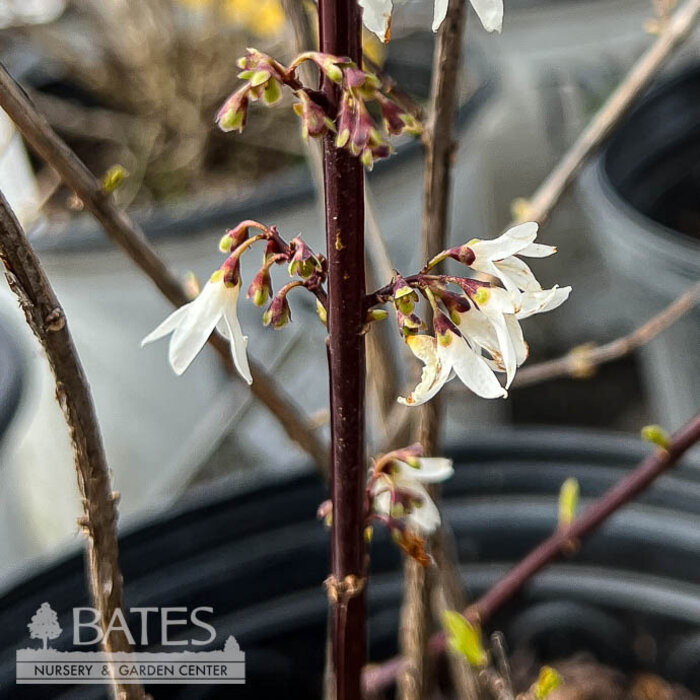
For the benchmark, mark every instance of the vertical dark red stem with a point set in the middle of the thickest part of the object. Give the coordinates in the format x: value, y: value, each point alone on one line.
x: 339, y: 32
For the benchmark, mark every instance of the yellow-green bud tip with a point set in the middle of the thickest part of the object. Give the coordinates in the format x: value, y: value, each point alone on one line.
x: 548, y: 681
x: 656, y: 435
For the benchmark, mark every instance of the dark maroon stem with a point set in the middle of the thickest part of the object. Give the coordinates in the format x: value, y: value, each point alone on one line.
x: 339, y: 34
x: 552, y: 548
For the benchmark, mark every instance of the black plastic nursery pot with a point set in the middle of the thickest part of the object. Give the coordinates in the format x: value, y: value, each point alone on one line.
x: 643, y: 197
x: 259, y: 559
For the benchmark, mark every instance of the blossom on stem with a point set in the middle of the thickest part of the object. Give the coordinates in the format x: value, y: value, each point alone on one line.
x: 192, y: 324
x: 398, y: 492
x: 497, y: 257
x: 449, y: 354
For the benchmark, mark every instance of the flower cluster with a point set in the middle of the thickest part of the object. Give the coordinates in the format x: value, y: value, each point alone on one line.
x: 216, y: 306
x: 476, y: 322
x: 352, y: 121
x: 376, y: 15
x: 397, y: 496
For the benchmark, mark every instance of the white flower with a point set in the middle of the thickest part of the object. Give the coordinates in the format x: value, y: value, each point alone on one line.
x: 376, y: 15
x: 423, y: 515
x: 490, y: 12
x: 497, y: 257
x: 447, y: 355
x: 193, y: 323
x: 493, y: 326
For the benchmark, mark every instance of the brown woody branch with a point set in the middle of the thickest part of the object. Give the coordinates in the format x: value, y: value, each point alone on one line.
x: 582, y: 361
x: 660, y: 461
x: 673, y: 34
x: 129, y: 237
x: 99, y: 522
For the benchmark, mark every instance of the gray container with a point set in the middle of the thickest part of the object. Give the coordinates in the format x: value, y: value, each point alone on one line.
x: 643, y: 198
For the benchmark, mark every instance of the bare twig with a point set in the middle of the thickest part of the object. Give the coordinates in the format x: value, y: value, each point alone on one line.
x: 128, y: 236
x: 439, y: 146
x: 660, y: 461
x: 48, y: 323
x: 673, y: 34
x: 582, y: 361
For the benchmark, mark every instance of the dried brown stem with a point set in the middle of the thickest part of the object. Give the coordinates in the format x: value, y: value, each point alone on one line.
x: 673, y: 34
x: 129, y: 237
x: 45, y: 317
x: 660, y: 461
x: 582, y: 361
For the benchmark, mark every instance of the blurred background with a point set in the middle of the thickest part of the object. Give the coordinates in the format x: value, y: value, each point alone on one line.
x: 138, y: 84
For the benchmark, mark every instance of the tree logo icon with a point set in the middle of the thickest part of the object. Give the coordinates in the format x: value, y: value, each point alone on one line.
x: 44, y: 624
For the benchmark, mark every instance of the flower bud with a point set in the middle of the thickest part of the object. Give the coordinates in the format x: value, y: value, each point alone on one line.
x: 314, y: 121
x: 113, y: 178
x: 278, y: 313
x: 233, y: 238
x: 233, y: 113
x: 260, y: 288
x: 304, y: 263
x: 376, y: 315
x: 463, y: 254
x: 322, y: 313
x: 231, y: 271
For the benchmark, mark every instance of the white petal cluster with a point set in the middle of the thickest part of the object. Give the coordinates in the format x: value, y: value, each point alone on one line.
x: 192, y: 324
x: 404, y: 482
x: 487, y: 337
x: 376, y: 15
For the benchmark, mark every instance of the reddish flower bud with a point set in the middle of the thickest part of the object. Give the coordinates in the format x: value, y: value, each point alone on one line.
x: 304, y: 263
x: 233, y: 238
x: 233, y: 113
x: 314, y: 121
x: 462, y: 253
x: 278, y: 313
x: 260, y: 288
x: 231, y: 271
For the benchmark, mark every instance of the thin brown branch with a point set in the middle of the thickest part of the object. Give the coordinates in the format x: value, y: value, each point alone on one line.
x: 673, y: 34
x: 439, y: 157
x: 582, y: 361
x: 129, y: 237
x: 639, y: 479
x: 45, y: 317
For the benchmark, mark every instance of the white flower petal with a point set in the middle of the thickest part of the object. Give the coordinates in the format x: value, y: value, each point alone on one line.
x: 471, y: 369
x: 519, y: 274
x: 538, y: 250
x: 431, y: 470
x: 196, y: 327
x: 509, y: 243
x: 376, y: 16
x: 522, y: 349
x: 439, y: 13
x: 424, y: 518
x: 478, y: 329
x: 169, y: 325
x: 434, y: 375
x: 238, y: 341
x: 542, y: 301
x: 490, y: 13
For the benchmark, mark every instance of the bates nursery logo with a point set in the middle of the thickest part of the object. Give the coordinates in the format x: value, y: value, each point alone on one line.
x: 45, y: 665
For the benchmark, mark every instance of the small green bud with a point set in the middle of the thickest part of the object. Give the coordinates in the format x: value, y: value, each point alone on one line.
x: 377, y: 315
x: 548, y: 681
x: 226, y: 243
x: 242, y: 62
x: 231, y: 120
x: 656, y: 435
x: 333, y: 72
x: 366, y: 158
x: 464, y: 639
x: 568, y: 502
x: 322, y: 313
x: 113, y: 178
x: 342, y: 138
